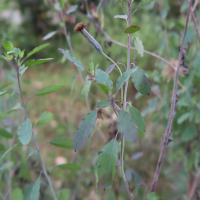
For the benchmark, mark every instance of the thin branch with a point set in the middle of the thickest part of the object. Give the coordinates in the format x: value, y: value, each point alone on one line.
x: 173, y: 103
x: 195, y: 185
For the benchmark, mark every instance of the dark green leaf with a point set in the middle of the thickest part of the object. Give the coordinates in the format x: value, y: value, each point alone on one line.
x: 25, y: 132
x: 37, y: 49
x: 86, y: 89
x: 107, y: 163
x: 183, y: 118
x: 103, y: 103
x: 70, y: 166
x: 103, y: 78
x: 27, y: 193
x: 3, y: 57
x: 72, y: 59
x: 132, y: 29
x: 16, y: 107
x: 49, y: 89
x: 49, y: 35
x: 45, y: 118
x: 5, y: 133
x: 103, y: 87
x: 141, y: 82
x: 3, y: 93
x: 84, y: 130
x: 120, y: 1
x: 72, y: 9
x: 152, y: 196
x: 144, y: 2
x: 8, y: 45
x: 36, y: 62
x: 64, y: 194
x: 138, y: 119
x: 127, y: 126
x: 188, y: 134
x: 125, y: 76
x: 63, y: 143
x: 17, y: 194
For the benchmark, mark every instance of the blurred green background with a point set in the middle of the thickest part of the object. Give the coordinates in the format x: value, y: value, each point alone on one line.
x: 26, y: 22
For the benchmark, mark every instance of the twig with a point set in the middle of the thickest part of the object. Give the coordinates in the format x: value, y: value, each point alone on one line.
x: 194, y: 186
x: 173, y: 103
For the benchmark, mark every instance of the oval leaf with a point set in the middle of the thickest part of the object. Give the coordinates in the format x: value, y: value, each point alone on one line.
x: 84, y: 130
x: 103, y: 104
x: 45, y: 118
x: 132, y: 29
x: 49, y: 89
x: 86, y: 89
x: 72, y: 9
x: 64, y: 194
x: 125, y: 76
x: 63, y: 143
x: 144, y: 2
x: 139, y: 46
x: 70, y: 166
x: 141, y: 82
x: 138, y: 119
x: 37, y: 49
x: 72, y: 59
x: 17, y: 194
x: 8, y: 45
x: 5, y: 133
x: 103, y: 78
x: 36, y: 62
x: 49, y: 35
x: 25, y: 132
x: 127, y: 126
x: 107, y: 163
x: 35, y: 192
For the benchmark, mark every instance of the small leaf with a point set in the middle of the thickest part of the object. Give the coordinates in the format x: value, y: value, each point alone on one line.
x: 139, y: 46
x: 188, y: 133
x: 16, y: 107
x: 103, y: 78
x: 64, y: 194
x: 107, y: 163
x: 137, y: 117
x: 72, y: 9
x: 70, y: 166
x: 3, y: 57
x: 152, y: 196
x: 141, y: 82
x: 6, y: 85
x: 127, y: 126
x: 103, y: 87
x: 36, y: 62
x: 49, y: 89
x: 3, y: 93
x: 85, y: 128
x: 121, y: 16
x: 132, y: 29
x: 22, y: 69
x: 91, y: 68
x: 120, y: 1
x: 45, y: 118
x: 35, y: 192
x: 72, y: 59
x: 37, y: 49
x: 110, y: 68
x: 86, y: 89
x: 5, y: 133
x: 25, y: 132
x: 49, y: 35
x: 63, y: 143
x: 125, y: 76
x: 22, y: 54
x: 8, y: 45
x: 9, y: 150
x: 17, y: 194
x: 183, y: 118
x: 27, y: 193
x: 103, y: 103
x: 144, y: 2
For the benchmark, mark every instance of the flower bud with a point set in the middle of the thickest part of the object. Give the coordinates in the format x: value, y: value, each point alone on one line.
x: 80, y: 28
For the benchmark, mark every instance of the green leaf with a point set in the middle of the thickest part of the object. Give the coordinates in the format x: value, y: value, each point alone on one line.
x: 63, y: 143
x: 27, y: 193
x: 139, y: 46
x: 64, y: 194
x: 25, y: 132
x: 72, y: 9
x: 132, y: 29
x: 72, y: 59
x: 8, y: 57
x: 22, y: 54
x: 37, y: 49
x: 2, y: 115
x: 35, y: 192
x: 103, y: 78
x: 49, y: 35
x: 8, y: 45
x: 45, y: 118
x: 62, y: 3
x: 103, y: 104
x: 110, y: 68
x: 3, y: 57
x: 86, y: 89
x: 138, y: 119
x: 17, y: 194
x: 188, y: 133
x: 49, y: 89
x: 3, y: 93
x: 152, y: 196
x: 16, y: 52
x: 127, y: 126
x: 70, y: 166
x: 5, y: 133
x: 125, y: 76
x: 144, y: 2
x: 120, y: 1
x: 16, y: 107
x: 141, y: 82
x: 96, y: 174
x: 22, y: 69
x: 6, y: 85
x: 19, y: 52
x: 103, y: 87
x: 36, y: 62
x: 9, y: 150
x: 107, y: 163
x: 91, y: 68
x: 183, y: 118
x: 84, y: 130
